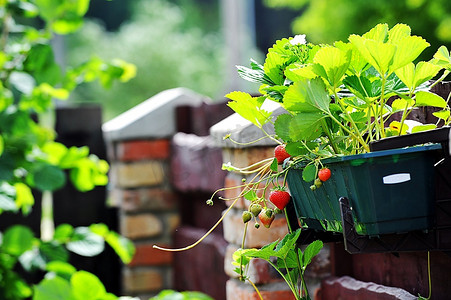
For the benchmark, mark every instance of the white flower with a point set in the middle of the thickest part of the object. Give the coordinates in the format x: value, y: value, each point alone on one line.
x: 298, y: 40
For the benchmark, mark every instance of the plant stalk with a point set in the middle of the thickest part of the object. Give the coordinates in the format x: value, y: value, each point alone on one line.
x: 47, y: 222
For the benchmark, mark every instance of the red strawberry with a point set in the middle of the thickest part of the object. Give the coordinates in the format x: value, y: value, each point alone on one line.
x: 324, y: 174
x: 280, y: 153
x: 266, y: 216
x: 279, y: 198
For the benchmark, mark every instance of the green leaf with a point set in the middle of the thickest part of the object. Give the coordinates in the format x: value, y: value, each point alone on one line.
x: 424, y: 127
x: 72, y: 156
x: 85, y: 243
x: 377, y: 33
x: 305, y: 126
x: 40, y: 63
x: 335, y: 63
x: 308, y: 95
x: 54, y: 288
x: 296, y: 148
x: 423, y: 98
x: 282, y: 127
x: 413, y: 76
x: 377, y: 53
x: 86, y: 285
x: 250, y: 195
x: 287, y: 244
x: 442, y: 58
x: 47, y: 178
x: 249, y: 108
x: 361, y: 86
x: 2, y: 145
x: 63, y: 233
x: 407, y: 50
x: 61, y: 268
x: 274, y: 165
x: 442, y: 114
x: 309, y: 173
x: 357, y: 63
x: 276, y: 59
x: 88, y: 173
x: 310, y: 252
x: 123, y: 247
x: 252, y: 75
x: 402, y: 104
x: 290, y: 261
x: 17, y: 239
x: 24, y: 197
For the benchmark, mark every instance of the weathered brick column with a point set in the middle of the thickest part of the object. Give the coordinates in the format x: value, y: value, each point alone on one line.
x: 138, y: 143
x: 261, y: 273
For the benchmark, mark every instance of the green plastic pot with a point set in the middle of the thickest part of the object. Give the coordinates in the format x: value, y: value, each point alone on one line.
x: 389, y: 191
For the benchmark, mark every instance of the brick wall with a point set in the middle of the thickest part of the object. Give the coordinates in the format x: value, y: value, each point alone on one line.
x: 162, y: 172
x: 148, y: 211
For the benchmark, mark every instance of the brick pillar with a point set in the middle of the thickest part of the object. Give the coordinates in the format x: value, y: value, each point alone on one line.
x: 138, y: 144
x: 148, y: 213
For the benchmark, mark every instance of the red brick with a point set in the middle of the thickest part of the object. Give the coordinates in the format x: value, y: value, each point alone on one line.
x: 272, y: 291
x: 141, y: 226
x: 143, y: 149
x: 146, y: 199
x: 146, y: 255
x: 142, y: 280
x: 349, y: 288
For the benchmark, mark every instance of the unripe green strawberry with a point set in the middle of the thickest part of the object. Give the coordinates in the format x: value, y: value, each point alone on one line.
x: 313, y: 187
x: 266, y: 216
x: 318, y: 183
x: 247, y: 216
x: 257, y: 226
x: 255, y: 209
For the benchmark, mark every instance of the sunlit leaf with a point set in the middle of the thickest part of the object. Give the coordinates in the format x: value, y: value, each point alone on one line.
x: 86, y: 285
x: 24, y: 197
x: 424, y: 127
x: 407, y: 50
x: 442, y: 114
x: 308, y: 95
x: 429, y: 99
x: 249, y: 108
x: 402, y: 104
x: 377, y: 53
x: 335, y: 63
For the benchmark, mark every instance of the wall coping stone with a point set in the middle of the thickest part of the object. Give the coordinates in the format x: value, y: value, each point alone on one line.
x: 244, y: 131
x: 153, y: 118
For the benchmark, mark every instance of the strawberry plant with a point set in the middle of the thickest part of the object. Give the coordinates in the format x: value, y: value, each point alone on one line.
x: 337, y: 99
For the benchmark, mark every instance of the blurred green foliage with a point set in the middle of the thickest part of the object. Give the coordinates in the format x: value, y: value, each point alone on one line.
x: 325, y: 21
x: 172, y: 44
x: 31, y: 160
